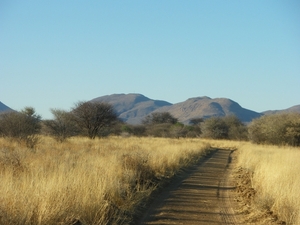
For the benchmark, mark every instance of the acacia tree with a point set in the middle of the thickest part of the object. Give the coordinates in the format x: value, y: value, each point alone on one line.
x: 215, y: 127
x: 93, y: 116
x: 22, y: 126
x: 194, y: 127
x: 159, y: 124
x: 237, y: 130
x: 62, y: 126
x: 196, y: 121
x: 228, y: 127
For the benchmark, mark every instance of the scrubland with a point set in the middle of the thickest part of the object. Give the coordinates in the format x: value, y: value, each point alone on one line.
x: 275, y: 177
x: 102, y: 181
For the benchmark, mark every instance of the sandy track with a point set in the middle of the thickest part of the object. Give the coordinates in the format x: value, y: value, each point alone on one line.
x: 202, y: 195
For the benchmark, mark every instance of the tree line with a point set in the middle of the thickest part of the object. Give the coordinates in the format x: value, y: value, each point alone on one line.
x: 98, y: 119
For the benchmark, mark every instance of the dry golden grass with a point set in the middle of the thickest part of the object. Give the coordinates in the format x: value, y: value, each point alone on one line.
x: 275, y: 177
x: 101, y: 181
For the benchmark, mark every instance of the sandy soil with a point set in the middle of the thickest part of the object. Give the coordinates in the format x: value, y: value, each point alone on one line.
x: 203, y: 194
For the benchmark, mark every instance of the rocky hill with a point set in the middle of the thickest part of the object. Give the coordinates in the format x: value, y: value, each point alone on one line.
x: 132, y: 108
x: 204, y: 107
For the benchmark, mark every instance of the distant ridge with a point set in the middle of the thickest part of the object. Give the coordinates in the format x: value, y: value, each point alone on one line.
x: 293, y: 109
x: 132, y: 108
x: 4, y: 108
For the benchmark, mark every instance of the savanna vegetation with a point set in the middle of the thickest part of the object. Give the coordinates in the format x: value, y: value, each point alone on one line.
x: 100, y: 181
x: 94, y: 119
x: 86, y: 166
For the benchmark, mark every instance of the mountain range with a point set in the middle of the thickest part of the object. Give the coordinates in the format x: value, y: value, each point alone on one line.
x: 132, y: 108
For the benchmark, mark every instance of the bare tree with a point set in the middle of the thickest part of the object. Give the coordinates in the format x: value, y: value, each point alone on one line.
x: 93, y: 116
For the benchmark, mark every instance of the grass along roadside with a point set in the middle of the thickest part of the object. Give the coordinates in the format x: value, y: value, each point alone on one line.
x: 273, y: 176
x: 99, y: 181
x: 275, y: 179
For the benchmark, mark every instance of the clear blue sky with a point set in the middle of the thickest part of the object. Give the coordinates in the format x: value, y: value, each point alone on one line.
x: 56, y: 53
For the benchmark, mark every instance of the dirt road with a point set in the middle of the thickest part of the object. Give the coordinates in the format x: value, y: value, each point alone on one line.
x: 202, y: 195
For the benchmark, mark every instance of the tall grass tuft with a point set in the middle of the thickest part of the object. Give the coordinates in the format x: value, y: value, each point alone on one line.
x: 102, y: 181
